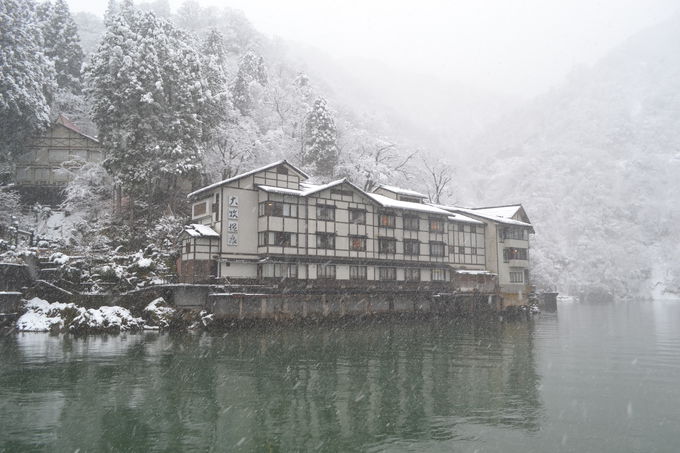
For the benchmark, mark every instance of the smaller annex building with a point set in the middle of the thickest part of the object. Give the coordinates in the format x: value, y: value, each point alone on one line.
x: 270, y: 224
x: 47, y: 162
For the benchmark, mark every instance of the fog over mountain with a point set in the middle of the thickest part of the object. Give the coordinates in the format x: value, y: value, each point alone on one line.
x: 597, y: 164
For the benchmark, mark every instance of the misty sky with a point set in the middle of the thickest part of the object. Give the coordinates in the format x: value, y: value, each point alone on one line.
x: 519, y: 48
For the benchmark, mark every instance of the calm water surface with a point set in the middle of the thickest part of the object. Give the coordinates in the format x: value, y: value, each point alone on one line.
x: 599, y: 378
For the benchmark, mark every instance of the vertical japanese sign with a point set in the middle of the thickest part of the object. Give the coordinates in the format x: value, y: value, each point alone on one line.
x: 232, y: 221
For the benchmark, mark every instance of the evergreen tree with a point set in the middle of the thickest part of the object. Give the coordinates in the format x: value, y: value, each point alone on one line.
x: 26, y: 75
x: 321, y: 150
x: 62, y: 45
x: 251, y: 69
x: 151, y: 103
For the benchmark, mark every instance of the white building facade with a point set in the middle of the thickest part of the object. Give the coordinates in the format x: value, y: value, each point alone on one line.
x: 269, y: 224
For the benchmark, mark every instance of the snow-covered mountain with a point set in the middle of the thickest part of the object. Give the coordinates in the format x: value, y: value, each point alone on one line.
x: 597, y: 165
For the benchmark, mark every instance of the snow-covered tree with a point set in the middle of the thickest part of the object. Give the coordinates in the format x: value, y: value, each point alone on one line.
x: 321, y: 149
x: 26, y: 75
x: 62, y: 46
x: 152, y: 104
x: 251, y: 70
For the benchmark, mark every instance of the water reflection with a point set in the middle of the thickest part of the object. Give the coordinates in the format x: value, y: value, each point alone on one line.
x: 334, y: 389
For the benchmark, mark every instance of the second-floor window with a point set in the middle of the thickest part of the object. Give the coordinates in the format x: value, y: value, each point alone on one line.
x: 357, y: 216
x: 357, y: 243
x: 411, y: 247
x: 438, y: 275
x: 411, y: 222
x: 325, y: 212
x: 325, y: 240
x: 437, y: 225
x: 387, y: 219
x: 278, y: 209
x: 277, y: 238
x: 387, y: 245
x: 437, y: 249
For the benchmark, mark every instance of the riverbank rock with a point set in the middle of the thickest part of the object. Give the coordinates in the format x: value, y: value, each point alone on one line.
x: 43, y: 316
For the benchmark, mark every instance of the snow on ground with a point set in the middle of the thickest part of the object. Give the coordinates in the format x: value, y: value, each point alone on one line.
x: 159, y: 312
x: 43, y: 316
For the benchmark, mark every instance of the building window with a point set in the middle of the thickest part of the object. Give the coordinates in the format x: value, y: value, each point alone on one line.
x: 387, y: 245
x: 277, y: 238
x: 461, y: 250
x: 473, y: 229
x: 512, y: 253
x: 325, y: 271
x: 387, y: 273
x: 515, y: 233
x: 439, y: 275
x: 325, y: 240
x: 357, y: 243
x: 357, y: 216
x: 437, y: 249
x: 387, y: 219
x: 436, y: 225
x: 200, y: 209
x: 187, y: 247
x: 409, y: 199
x: 357, y: 273
x: 411, y: 222
x: 325, y: 212
x: 411, y: 247
x: 278, y: 209
x: 282, y: 170
x: 411, y: 274
x: 342, y: 193
x: 279, y: 270
x: 516, y: 276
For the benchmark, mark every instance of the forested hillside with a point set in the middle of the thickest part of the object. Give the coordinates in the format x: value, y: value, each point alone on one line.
x: 597, y: 165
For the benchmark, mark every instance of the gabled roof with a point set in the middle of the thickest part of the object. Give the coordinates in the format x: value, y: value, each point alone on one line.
x: 248, y: 173
x: 203, y: 231
x: 388, y: 202
x: 490, y: 213
x: 70, y: 125
x: 310, y: 189
x: 507, y: 211
x: 400, y: 191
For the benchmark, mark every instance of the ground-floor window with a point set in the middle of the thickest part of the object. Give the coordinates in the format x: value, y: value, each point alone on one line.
x: 412, y: 274
x: 439, y: 275
x: 357, y: 273
x: 279, y: 270
x: 387, y: 273
x: 278, y: 238
x: 517, y: 276
x: 325, y: 271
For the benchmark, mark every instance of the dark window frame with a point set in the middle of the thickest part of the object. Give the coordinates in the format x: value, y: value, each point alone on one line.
x: 434, y: 245
x: 362, y: 220
x: 409, y: 249
x: 357, y: 272
x: 383, y: 246
x: 408, y: 219
x: 353, y: 238
x: 326, y: 272
x: 322, y: 211
x: 432, y: 221
x: 387, y: 274
x: 327, y: 241
x: 387, y: 219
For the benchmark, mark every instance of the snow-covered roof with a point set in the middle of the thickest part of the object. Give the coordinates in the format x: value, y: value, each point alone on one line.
x: 248, y: 173
x: 400, y: 191
x: 507, y: 212
x: 462, y: 218
x: 309, y: 189
x: 485, y: 215
x: 70, y: 125
x: 198, y: 230
x: 388, y: 202
x: 473, y: 272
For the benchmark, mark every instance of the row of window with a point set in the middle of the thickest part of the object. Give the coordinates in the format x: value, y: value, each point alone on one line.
x: 514, y: 233
x: 356, y: 216
x: 328, y: 272
x: 358, y: 244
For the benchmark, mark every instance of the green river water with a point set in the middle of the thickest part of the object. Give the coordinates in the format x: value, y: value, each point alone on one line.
x: 592, y: 378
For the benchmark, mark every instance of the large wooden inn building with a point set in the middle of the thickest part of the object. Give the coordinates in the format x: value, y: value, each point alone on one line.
x: 269, y: 224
